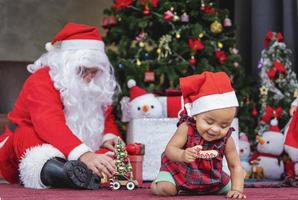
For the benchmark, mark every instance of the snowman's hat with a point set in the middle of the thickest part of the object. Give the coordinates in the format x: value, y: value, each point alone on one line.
x: 135, y: 91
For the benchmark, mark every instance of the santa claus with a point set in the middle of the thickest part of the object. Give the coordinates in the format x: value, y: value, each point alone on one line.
x: 63, y: 116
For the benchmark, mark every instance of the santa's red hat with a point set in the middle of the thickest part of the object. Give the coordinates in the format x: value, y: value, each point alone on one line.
x: 207, y: 91
x: 135, y: 91
x: 77, y: 36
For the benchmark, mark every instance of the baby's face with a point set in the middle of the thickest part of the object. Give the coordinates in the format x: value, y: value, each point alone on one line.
x: 214, y: 124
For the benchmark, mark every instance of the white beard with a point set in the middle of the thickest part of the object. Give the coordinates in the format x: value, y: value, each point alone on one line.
x: 84, y: 103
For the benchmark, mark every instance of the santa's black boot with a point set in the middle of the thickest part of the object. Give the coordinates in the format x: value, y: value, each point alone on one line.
x: 59, y: 173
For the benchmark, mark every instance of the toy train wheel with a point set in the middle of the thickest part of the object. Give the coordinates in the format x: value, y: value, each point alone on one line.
x: 130, y: 185
x: 116, y: 185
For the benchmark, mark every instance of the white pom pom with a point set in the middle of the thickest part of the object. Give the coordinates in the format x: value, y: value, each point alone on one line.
x: 131, y: 83
x: 49, y: 46
x: 274, y: 122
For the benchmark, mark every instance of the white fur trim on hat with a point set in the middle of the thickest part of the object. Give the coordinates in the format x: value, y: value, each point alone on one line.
x: 32, y: 163
x: 49, y: 46
x: 213, y: 102
x: 131, y: 83
x: 78, y: 151
x: 81, y: 44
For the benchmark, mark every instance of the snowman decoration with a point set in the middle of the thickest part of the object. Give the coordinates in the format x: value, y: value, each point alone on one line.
x: 270, y: 147
x: 244, y: 153
x: 142, y: 104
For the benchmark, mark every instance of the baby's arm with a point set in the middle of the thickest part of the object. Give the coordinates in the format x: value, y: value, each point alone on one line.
x: 174, y: 150
x: 237, y: 172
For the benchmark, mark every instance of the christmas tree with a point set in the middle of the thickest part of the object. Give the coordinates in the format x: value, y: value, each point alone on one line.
x: 279, y: 86
x: 156, y: 42
x: 123, y: 165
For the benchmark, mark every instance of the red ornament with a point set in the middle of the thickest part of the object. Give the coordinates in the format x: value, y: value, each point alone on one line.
x: 271, y: 74
x: 168, y: 15
x: 149, y: 76
x: 254, y: 112
x: 221, y: 56
x: 192, y: 61
x: 279, y: 66
x: 207, y: 9
x: 108, y: 22
x: 270, y: 36
x: 146, y: 10
x: 195, y: 44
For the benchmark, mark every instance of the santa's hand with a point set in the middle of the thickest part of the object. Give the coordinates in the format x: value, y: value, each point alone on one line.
x: 189, y: 155
x: 99, y: 163
x: 110, y: 144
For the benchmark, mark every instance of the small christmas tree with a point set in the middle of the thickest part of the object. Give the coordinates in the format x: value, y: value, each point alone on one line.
x: 123, y: 165
x: 279, y: 84
x: 124, y: 170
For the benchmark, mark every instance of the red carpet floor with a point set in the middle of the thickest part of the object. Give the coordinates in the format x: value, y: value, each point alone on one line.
x: 17, y: 192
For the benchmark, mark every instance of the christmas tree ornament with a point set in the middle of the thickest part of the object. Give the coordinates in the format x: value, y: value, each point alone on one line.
x: 234, y: 51
x: 124, y: 172
x: 178, y: 35
x: 158, y: 51
x: 263, y: 90
x: 184, y: 17
x: 141, y: 36
x: 192, y: 61
x: 120, y: 65
x: 236, y: 64
x: 221, y: 56
x: 216, y: 27
x: 138, y: 62
x: 141, y: 44
x: 149, y: 76
x: 195, y: 44
x: 220, y: 45
x: 254, y: 112
x: 201, y: 35
x: 227, y: 22
x: 176, y: 17
x: 146, y: 10
x: 168, y: 15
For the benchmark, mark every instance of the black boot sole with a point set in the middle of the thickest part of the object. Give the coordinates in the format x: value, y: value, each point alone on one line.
x: 81, y: 176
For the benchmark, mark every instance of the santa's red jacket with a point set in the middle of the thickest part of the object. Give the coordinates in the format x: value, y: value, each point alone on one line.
x: 38, y: 114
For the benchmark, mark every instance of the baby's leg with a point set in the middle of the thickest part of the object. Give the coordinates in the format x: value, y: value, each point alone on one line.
x: 164, y: 185
x: 163, y: 188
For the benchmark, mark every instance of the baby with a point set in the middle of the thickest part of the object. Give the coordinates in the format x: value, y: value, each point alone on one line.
x: 192, y: 161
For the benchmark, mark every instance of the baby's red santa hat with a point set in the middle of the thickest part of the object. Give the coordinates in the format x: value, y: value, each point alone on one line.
x: 77, y: 36
x: 207, y: 91
x: 135, y: 91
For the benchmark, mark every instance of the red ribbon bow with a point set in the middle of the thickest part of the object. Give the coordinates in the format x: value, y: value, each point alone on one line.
x: 119, y: 4
x: 270, y: 36
x: 271, y: 112
x: 277, y: 67
x: 195, y: 44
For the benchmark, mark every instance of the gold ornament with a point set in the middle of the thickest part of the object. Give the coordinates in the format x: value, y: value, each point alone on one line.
x: 220, y: 45
x: 141, y: 44
x: 296, y: 93
x: 178, y: 35
x: 201, y: 35
x: 139, y: 62
x: 216, y: 27
x: 263, y: 90
x: 158, y: 51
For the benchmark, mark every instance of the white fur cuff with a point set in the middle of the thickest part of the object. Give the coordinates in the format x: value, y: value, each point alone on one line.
x: 108, y: 136
x: 32, y: 163
x: 78, y: 151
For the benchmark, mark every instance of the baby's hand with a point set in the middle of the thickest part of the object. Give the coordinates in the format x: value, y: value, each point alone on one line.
x: 189, y: 154
x: 234, y: 194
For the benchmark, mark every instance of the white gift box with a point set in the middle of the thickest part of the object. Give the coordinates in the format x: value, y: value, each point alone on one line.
x: 155, y: 134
